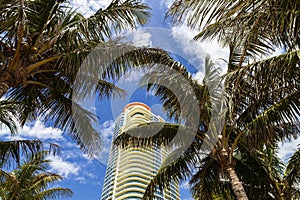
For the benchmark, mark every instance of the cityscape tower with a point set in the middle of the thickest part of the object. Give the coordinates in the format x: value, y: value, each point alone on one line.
x: 129, y: 170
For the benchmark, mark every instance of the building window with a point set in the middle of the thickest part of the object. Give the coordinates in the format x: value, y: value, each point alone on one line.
x: 137, y: 113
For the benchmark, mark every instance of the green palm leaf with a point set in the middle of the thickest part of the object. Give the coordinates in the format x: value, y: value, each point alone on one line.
x: 266, y: 97
x: 292, y: 171
x: 30, y: 181
x: 8, y: 116
x: 42, y: 46
x: 12, y: 151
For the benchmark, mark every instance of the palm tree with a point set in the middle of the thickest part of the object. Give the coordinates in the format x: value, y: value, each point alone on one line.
x: 12, y: 151
x: 42, y: 44
x: 262, y: 94
x: 31, y: 181
x: 7, y: 109
x: 291, y: 177
x: 209, y: 172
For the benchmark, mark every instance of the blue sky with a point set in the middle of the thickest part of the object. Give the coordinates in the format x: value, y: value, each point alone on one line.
x: 84, y: 175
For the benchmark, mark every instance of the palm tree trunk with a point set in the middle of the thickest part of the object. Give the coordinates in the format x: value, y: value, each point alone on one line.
x: 236, y: 185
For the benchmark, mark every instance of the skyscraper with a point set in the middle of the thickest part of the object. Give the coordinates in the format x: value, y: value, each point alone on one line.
x: 129, y: 170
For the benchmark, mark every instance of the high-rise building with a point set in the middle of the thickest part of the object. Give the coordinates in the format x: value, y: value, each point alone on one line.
x: 129, y: 170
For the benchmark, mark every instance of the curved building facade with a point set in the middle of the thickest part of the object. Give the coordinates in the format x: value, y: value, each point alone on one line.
x: 130, y: 170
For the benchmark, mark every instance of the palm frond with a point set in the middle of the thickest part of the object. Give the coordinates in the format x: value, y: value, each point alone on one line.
x: 174, y: 85
x: 8, y: 115
x: 292, y: 174
x: 219, y: 19
x: 179, y: 163
x: 164, y: 134
x: 31, y: 181
x: 176, y: 171
x: 42, y: 46
x: 12, y: 151
x: 205, y: 183
x: 54, y: 193
x: 266, y: 97
x: 264, y: 170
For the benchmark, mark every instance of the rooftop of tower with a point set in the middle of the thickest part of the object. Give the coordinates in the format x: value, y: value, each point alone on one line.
x: 137, y: 104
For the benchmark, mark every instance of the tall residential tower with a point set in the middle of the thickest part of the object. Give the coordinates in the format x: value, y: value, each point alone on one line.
x: 129, y: 170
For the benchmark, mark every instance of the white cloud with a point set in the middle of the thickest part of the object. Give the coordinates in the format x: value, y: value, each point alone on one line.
x: 130, y: 79
x: 89, y: 7
x: 90, y: 175
x: 35, y: 130
x: 40, y: 131
x: 197, y: 51
x: 199, y: 76
x: 72, y: 153
x: 166, y: 3
x: 81, y: 180
x: 184, y: 36
x: 185, y: 185
x: 287, y: 149
x: 107, y: 129
x: 178, y: 41
x: 63, y: 167
x: 142, y: 38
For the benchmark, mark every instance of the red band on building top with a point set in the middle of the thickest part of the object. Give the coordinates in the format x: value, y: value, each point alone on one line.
x: 137, y: 104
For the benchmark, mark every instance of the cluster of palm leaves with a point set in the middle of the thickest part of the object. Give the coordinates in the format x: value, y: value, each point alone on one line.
x: 42, y: 46
x: 31, y: 181
x: 262, y: 99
